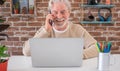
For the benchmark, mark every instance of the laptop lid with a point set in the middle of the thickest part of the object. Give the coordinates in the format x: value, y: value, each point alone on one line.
x: 56, y: 52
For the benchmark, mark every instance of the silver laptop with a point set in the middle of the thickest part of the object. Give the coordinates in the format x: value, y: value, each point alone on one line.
x: 56, y: 52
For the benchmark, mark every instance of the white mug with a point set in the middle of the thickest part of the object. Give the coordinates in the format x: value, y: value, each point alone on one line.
x: 104, y: 61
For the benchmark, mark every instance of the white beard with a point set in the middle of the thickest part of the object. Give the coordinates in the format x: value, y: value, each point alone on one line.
x: 65, y: 23
x: 57, y: 31
x: 60, y: 25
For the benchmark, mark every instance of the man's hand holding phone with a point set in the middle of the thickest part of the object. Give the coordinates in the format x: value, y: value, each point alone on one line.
x: 49, y: 22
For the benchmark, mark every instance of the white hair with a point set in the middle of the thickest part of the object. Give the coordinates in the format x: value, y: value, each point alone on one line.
x: 67, y: 3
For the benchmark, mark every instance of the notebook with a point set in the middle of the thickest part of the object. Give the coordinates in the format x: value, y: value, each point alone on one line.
x: 56, y: 52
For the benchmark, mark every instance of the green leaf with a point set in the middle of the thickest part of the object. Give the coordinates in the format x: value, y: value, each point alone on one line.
x: 4, y: 55
x: 1, y: 20
x: 3, y: 50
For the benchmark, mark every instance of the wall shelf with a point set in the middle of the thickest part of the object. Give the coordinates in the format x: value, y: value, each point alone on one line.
x: 23, y: 15
x: 87, y: 16
x: 97, y: 22
x: 98, y: 6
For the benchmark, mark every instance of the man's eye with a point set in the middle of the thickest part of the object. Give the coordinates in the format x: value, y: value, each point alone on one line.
x: 54, y: 12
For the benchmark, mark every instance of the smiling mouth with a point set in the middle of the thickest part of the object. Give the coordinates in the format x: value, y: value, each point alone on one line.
x: 59, y: 21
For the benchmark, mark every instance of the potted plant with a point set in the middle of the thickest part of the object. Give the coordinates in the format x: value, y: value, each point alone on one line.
x: 16, y: 7
x: 31, y: 9
x: 3, y: 58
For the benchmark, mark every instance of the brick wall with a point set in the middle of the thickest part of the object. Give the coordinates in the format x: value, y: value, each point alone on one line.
x: 22, y: 28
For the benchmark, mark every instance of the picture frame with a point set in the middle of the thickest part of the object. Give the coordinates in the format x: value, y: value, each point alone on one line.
x: 24, y: 6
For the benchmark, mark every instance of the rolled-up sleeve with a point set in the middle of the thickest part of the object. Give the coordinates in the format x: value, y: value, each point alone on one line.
x: 90, y: 49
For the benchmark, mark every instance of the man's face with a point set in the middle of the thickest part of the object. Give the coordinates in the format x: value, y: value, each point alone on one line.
x: 60, y: 12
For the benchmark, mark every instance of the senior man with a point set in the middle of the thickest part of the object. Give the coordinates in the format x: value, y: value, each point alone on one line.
x: 57, y: 25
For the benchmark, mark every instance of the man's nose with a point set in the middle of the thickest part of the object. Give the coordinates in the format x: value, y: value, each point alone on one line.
x: 59, y: 15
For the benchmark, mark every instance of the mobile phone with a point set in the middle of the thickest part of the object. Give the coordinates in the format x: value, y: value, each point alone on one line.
x: 50, y: 21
